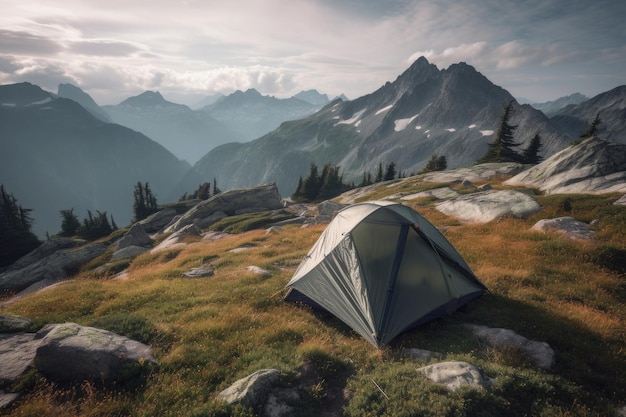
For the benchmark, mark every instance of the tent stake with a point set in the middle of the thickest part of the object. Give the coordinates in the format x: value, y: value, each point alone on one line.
x: 379, y: 388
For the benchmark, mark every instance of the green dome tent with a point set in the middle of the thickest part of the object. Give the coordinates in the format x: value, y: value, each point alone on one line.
x: 382, y: 268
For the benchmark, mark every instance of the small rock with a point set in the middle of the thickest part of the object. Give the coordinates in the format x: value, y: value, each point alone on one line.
x: 200, y: 272
x: 258, y: 270
x: 329, y: 208
x: 253, y: 390
x: 541, y: 353
x: 6, y: 398
x: 567, y: 226
x: 621, y: 201
x: 136, y: 236
x: 454, y: 375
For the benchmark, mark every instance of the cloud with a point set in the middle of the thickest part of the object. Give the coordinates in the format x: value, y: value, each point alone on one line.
x: 26, y: 43
x: 103, y: 48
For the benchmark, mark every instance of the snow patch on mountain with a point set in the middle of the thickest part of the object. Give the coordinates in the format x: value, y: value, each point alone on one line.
x: 471, y: 126
x: 354, y: 119
x: 384, y: 109
x: 418, y: 127
x: 486, y: 132
x: 450, y: 129
x: 401, y: 124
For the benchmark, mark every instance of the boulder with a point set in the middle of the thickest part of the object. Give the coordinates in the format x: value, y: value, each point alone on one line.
x: 329, y: 208
x: 621, y: 201
x: 17, y: 353
x: 6, y: 398
x: 10, y: 324
x: 157, y: 221
x: 46, y: 249
x: 174, y: 240
x: 128, y: 252
x: 244, y: 200
x: 485, y: 206
x: 593, y: 166
x: 567, y: 226
x: 540, y: 353
x: 70, y: 352
x: 136, y: 236
x: 49, y: 270
x: 253, y: 390
x: 454, y: 375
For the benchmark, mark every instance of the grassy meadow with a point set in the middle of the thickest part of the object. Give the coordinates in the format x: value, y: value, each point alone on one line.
x: 207, y: 333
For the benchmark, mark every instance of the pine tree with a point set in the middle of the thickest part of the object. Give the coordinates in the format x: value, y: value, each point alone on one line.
x: 332, y: 183
x: 531, y: 153
x: 16, y: 237
x: 390, y: 172
x: 95, y: 227
x: 145, y: 202
x: 69, y: 223
x: 215, y: 189
x: 311, y: 184
x: 379, y: 173
x: 593, y: 127
x: 501, y: 149
x: 435, y: 163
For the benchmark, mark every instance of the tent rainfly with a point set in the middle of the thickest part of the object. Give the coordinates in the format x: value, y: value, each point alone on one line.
x: 382, y: 268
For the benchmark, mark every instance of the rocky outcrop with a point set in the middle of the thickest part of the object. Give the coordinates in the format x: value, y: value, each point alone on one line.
x: 228, y: 203
x: 175, y: 239
x: 9, y: 324
x: 489, y: 205
x: 593, y: 166
x: 475, y: 173
x: 55, y: 267
x: 157, y: 221
x: 541, y: 354
x: 136, y: 236
x: 567, y: 226
x: 70, y: 352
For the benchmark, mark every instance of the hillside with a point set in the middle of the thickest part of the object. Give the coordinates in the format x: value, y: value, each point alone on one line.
x: 452, y: 112
x: 207, y: 333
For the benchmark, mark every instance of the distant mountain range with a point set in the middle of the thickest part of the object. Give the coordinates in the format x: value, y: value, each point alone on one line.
x: 61, y: 151
x: 56, y: 155
x: 251, y: 115
x: 425, y: 111
x: 551, y: 107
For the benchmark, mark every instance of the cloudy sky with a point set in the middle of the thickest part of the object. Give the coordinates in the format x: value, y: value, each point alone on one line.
x: 187, y: 49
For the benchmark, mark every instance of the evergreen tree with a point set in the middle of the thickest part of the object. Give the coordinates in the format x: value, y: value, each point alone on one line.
x: 435, y: 163
x: 311, y: 184
x: 95, y: 227
x: 215, y: 189
x: 16, y: 237
x: 501, y: 149
x: 593, y: 127
x: 390, y: 172
x: 332, y: 184
x: 298, y: 193
x: 531, y: 153
x: 69, y: 223
x: 203, y: 192
x: 379, y: 173
x: 145, y: 202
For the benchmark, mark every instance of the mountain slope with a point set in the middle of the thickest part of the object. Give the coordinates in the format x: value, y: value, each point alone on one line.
x: 186, y: 133
x: 550, y: 107
x: 252, y: 115
x: 74, y: 93
x: 610, y: 106
x: 452, y: 112
x: 56, y: 155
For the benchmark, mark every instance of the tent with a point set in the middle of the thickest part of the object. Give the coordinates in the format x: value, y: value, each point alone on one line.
x: 382, y: 268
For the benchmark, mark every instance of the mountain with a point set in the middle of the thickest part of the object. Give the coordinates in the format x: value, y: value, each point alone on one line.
x: 207, y: 101
x: 252, y: 115
x: 313, y: 96
x: 550, y: 107
x: 186, y: 133
x: 610, y: 106
x: 453, y: 113
x: 56, y: 155
x: 75, y: 93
